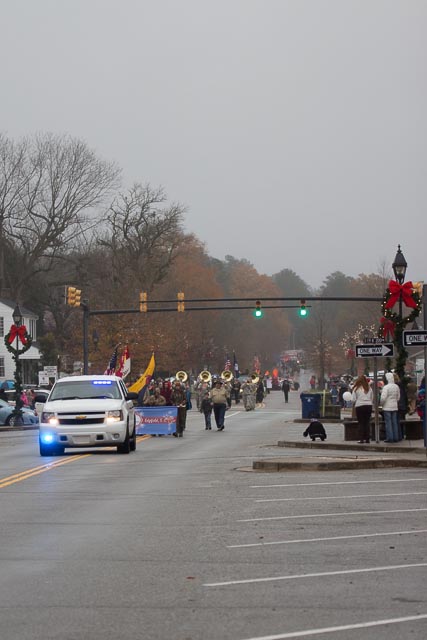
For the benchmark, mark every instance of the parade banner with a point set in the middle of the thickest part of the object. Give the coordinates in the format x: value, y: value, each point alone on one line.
x: 156, y: 420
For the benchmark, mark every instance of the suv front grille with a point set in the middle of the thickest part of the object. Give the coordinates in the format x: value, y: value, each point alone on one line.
x: 81, y: 421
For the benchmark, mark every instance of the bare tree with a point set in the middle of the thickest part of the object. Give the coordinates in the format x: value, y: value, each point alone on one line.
x: 51, y: 187
x: 143, y: 237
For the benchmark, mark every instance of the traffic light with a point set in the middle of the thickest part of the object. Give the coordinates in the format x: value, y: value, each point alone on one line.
x: 143, y: 306
x: 258, y: 312
x: 73, y: 296
x: 181, y: 304
x: 303, y: 309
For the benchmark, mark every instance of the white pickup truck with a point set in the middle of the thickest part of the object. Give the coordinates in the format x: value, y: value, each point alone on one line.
x: 88, y: 411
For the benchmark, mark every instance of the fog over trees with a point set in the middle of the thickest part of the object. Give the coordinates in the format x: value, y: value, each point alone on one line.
x: 67, y: 219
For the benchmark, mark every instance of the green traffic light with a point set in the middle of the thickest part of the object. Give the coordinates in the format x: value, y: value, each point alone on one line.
x: 303, y: 312
x: 258, y: 312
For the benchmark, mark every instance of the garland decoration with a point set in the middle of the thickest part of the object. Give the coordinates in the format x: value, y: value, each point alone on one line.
x: 410, y: 298
x: 21, y: 335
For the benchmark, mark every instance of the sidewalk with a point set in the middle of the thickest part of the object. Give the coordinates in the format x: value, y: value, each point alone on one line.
x: 336, y: 453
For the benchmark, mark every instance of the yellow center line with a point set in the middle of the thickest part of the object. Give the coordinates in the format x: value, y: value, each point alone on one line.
x: 35, y: 471
x: 24, y: 475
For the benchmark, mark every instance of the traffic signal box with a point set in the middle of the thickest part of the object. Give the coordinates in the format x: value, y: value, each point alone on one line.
x: 303, y: 309
x: 143, y: 306
x: 73, y: 296
x: 181, y: 303
x: 258, y: 312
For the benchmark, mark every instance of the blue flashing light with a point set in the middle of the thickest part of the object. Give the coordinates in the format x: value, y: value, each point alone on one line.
x: 102, y: 382
x: 47, y: 438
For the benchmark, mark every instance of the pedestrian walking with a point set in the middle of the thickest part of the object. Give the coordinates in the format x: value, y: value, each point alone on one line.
x: 206, y: 407
x: 248, y: 395
x: 285, y: 388
x: 362, y: 397
x: 260, y: 392
x: 219, y: 400
x: 179, y: 399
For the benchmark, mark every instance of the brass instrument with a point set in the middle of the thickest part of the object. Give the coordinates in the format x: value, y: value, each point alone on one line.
x: 205, y: 376
x: 254, y: 378
x: 227, y: 376
x: 182, y: 376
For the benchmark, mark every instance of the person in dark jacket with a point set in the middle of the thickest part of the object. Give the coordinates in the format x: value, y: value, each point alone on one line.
x: 315, y: 429
x: 260, y: 392
x: 179, y: 399
x: 206, y: 406
x: 285, y: 388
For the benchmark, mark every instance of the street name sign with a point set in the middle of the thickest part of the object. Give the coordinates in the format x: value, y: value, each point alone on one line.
x: 415, y: 338
x: 374, y: 350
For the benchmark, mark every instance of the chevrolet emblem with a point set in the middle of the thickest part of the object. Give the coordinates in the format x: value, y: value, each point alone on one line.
x: 80, y: 417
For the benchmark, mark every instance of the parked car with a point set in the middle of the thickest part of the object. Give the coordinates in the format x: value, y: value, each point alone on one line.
x: 6, y: 413
x: 40, y: 396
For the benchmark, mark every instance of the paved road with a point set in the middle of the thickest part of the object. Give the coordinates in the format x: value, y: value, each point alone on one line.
x: 181, y: 541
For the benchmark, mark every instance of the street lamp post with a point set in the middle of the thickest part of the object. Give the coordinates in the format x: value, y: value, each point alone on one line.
x: 399, y: 267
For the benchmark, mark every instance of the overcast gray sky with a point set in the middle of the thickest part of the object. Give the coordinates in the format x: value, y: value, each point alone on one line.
x: 293, y: 130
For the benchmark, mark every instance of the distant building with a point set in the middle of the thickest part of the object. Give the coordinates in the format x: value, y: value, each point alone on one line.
x: 31, y: 358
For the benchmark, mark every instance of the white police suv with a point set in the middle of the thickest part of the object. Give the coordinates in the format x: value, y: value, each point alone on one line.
x: 88, y: 411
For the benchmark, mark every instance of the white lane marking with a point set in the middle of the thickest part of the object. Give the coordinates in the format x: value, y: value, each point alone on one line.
x: 322, y: 574
x: 345, y: 627
x: 301, y: 540
x: 328, y: 515
x: 367, y: 495
x: 230, y: 415
x: 315, y: 484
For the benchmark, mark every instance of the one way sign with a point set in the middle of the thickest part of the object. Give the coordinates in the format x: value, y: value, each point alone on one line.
x: 415, y: 338
x: 374, y: 350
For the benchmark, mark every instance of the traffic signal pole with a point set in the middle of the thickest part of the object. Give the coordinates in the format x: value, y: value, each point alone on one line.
x: 85, y: 306
x: 143, y: 301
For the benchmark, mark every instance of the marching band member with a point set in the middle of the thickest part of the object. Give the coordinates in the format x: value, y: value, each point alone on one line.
x: 248, y: 395
x: 235, y: 389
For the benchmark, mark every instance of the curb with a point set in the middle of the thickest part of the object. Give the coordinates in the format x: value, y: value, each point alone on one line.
x: 335, y: 465
x: 350, y: 447
x: 28, y: 427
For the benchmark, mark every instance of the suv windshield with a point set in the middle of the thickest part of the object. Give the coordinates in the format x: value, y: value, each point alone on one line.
x: 86, y: 389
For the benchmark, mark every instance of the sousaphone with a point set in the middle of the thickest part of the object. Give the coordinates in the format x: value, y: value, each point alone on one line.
x: 205, y: 376
x: 227, y: 376
x: 182, y: 376
x: 254, y: 378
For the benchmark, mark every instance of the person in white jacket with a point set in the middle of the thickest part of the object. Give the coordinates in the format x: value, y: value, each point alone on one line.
x: 362, y: 398
x: 390, y: 396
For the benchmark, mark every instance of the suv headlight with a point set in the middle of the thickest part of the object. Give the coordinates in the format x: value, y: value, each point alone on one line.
x: 50, y: 418
x: 113, y: 416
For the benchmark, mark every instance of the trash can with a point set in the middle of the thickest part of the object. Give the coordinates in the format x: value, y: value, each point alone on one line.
x: 311, y: 403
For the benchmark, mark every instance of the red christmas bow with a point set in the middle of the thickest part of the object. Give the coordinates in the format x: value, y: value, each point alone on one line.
x: 397, y: 290
x: 18, y: 332
x: 387, y: 327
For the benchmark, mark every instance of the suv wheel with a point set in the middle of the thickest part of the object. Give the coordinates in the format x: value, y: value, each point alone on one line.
x: 125, y: 446
x: 133, y: 439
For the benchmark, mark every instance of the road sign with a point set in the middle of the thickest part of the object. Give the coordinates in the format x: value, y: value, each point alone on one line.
x: 415, y: 338
x: 52, y: 371
x: 43, y: 377
x: 374, y: 350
